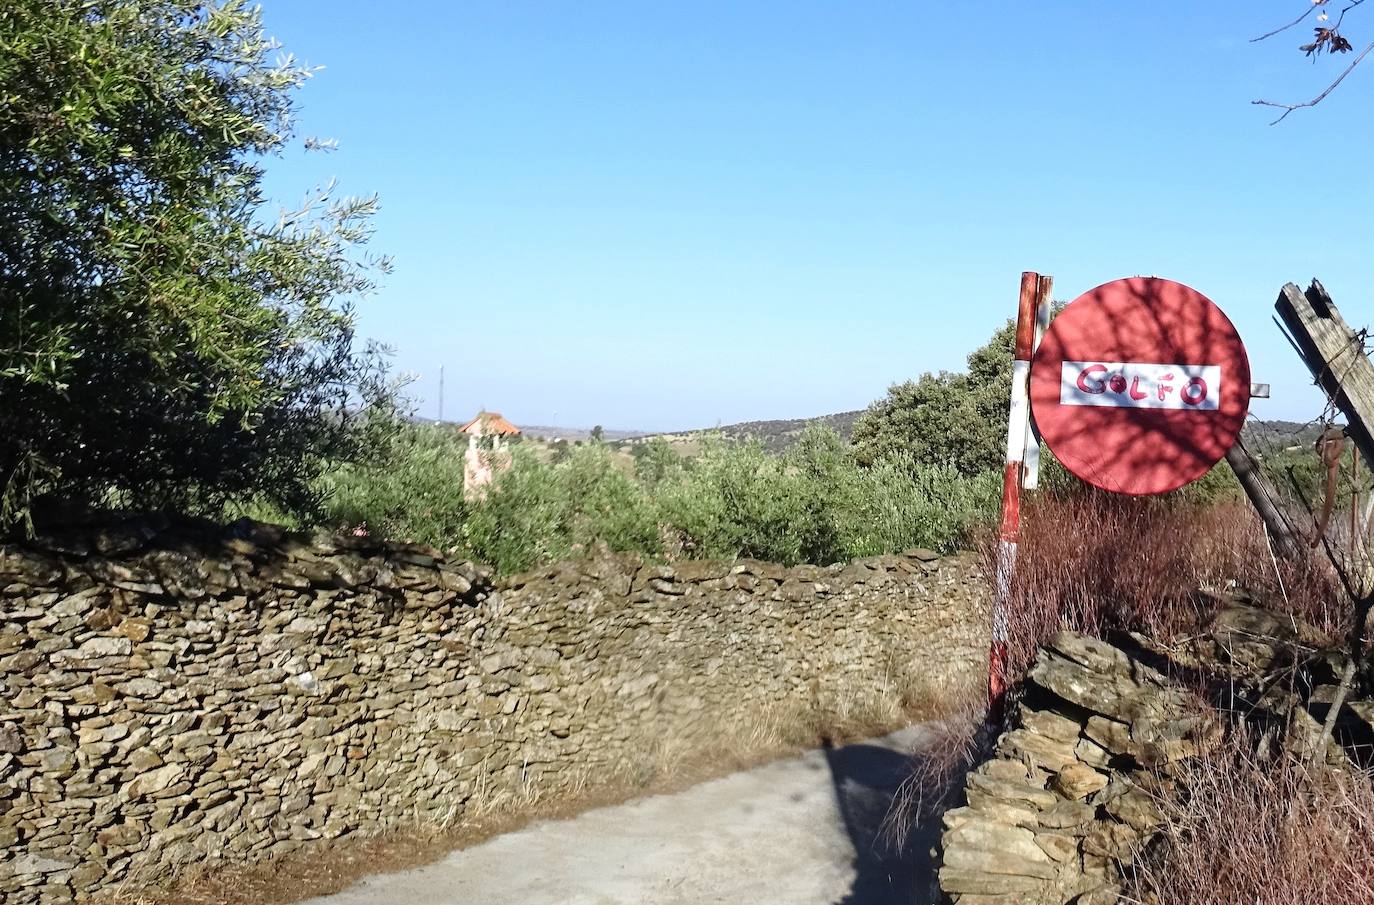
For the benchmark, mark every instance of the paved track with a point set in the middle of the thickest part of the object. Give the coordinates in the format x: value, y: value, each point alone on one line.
x: 803, y: 831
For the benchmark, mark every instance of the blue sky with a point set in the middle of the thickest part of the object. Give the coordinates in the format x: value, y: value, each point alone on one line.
x: 673, y: 215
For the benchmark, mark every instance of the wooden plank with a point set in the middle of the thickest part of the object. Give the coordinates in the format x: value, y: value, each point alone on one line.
x: 1262, y: 497
x: 1336, y: 357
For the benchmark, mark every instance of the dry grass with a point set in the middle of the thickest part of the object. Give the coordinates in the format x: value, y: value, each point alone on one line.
x: 1241, y: 830
x: 1093, y: 562
x: 958, y: 742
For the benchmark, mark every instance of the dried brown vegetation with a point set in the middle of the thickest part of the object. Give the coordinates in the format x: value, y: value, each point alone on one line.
x: 1093, y: 563
x: 1262, y: 832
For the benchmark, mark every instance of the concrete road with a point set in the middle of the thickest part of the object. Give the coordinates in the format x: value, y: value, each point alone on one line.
x: 803, y: 831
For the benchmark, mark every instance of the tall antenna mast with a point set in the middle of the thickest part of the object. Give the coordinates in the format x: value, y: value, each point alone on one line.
x: 441, y: 394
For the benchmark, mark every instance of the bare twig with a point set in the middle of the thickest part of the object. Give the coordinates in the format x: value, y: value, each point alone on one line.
x: 1347, y: 678
x: 1309, y: 11
x: 1348, y: 8
x: 1289, y: 108
x: 1283, y: 28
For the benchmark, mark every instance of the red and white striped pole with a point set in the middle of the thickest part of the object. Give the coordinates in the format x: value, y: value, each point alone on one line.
x: 1035, y: 297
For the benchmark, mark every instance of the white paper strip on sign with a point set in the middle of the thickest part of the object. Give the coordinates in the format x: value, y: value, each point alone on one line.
x: 1143, y: 385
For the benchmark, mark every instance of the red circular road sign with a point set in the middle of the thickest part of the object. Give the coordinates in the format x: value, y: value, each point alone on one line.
x: 1140, y: 385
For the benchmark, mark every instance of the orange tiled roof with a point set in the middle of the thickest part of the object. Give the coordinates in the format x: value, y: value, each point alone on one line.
x: 491, y: 423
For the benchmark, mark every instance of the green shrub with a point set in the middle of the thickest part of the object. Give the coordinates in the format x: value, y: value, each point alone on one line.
x: 415, y: 493
x: 606, y: 505
x: 739, y: 501
x: 904, y: 503
x: 656, y: 461
x: 538, y: 512
x: 522, y: 520
x: 813, y: 504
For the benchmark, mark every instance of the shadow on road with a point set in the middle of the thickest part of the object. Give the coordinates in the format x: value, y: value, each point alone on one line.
x: 886, y: 871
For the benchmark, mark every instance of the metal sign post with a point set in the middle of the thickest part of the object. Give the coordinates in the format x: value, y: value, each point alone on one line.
x: 1035, y: 298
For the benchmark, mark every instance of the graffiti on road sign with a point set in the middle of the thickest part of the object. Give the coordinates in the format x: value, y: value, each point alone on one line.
x: 1140, y: 385
x: 1143, y: 385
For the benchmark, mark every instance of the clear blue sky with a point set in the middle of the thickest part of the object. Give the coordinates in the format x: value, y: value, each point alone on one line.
x: 668, y: 215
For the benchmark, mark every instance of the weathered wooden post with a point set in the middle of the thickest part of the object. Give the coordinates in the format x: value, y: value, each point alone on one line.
x: 1336, y: 356
x: 1263, y: 497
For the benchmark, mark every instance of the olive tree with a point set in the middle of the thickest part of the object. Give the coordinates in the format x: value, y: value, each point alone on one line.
x: 957, y: 419
x: 165, y: 338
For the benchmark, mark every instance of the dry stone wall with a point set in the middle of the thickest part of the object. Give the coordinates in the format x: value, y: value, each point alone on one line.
x: 188, y: 695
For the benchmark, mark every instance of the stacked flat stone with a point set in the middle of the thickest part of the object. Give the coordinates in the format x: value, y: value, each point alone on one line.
x: 178, y: 694
x: 1069, y: 800
x: 1071, y: 797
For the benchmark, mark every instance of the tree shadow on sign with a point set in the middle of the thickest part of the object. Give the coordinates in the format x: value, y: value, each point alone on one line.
x: 887, y: 871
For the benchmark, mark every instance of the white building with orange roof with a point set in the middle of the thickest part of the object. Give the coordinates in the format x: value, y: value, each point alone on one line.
x: 487, y: 453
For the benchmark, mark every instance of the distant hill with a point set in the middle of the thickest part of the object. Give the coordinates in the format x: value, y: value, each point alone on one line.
x: 776, y: 436
x: 1268, y: 436
x: 576, y: 433
x: 779, y: 434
